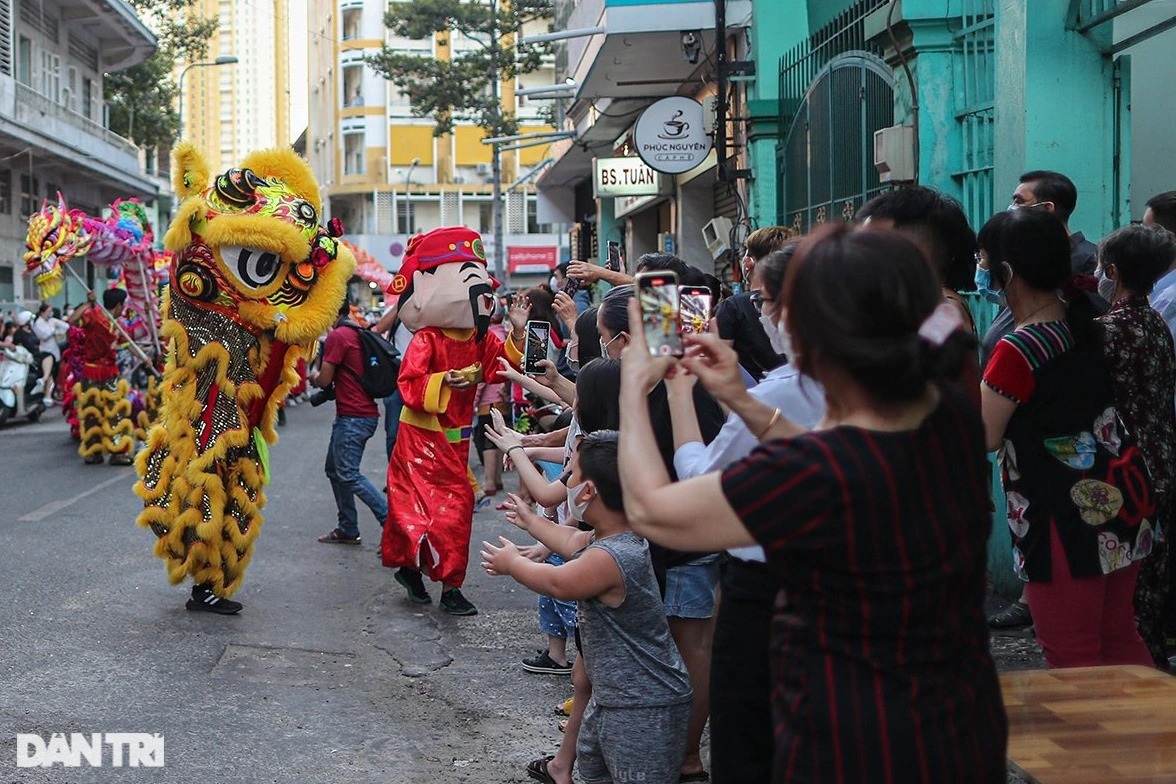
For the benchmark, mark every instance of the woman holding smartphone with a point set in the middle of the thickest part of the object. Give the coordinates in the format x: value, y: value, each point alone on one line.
x: 876, y: 522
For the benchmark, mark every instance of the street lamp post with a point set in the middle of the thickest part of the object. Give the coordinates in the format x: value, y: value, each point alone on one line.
x: 408, y: 196
x: 227, y: 59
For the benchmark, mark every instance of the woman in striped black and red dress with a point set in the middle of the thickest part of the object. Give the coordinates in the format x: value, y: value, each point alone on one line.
x: 876, y: 521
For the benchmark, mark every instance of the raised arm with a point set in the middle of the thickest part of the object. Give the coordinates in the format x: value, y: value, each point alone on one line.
x: 717, y: 366
x: 592, y: 575
x: 683, y: 416
x: 693, y: 515
x: 565, y: 540
x: 507, y: 440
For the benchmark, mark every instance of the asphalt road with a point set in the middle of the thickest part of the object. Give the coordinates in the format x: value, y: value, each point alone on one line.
x: 328, y: 675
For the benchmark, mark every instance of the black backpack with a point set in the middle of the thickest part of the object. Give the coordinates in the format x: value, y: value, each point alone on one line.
x: 381, y: 363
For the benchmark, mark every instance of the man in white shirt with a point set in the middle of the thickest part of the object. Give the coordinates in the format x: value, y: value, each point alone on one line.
x: 1161, y: 212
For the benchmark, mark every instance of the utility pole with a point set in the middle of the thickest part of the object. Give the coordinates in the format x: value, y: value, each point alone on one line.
x: 498, y: 264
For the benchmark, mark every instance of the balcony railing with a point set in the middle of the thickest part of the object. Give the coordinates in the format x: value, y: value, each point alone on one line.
x: 27, y: 96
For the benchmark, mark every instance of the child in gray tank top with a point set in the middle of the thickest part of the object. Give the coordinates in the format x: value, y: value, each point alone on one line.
x: 634, y: 727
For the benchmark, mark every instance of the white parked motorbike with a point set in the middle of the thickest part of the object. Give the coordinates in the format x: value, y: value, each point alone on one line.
x: 16, y: 386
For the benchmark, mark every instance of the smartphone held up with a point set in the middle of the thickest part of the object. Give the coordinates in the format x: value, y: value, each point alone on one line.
x: 538, y: 338
x: 657, y: 294
x: 694, y: 307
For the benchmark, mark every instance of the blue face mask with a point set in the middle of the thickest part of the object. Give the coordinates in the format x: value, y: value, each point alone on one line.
x: 984, y: 287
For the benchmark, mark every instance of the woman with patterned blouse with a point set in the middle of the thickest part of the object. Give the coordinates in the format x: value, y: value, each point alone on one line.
x: 1139, y: 349
x: 1079, y: 498
x: 875, y: 522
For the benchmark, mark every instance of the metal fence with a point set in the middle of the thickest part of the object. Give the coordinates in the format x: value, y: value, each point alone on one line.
x: 835, y: 91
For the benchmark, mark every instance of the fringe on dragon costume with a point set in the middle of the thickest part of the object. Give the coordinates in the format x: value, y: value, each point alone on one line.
x: 255, y: 280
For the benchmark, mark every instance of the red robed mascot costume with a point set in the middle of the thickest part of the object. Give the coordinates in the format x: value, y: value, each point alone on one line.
x: 446, y: 299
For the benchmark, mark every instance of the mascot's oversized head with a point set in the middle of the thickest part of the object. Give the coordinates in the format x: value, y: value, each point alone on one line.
x: 248, y: 245
x: 443, y: 282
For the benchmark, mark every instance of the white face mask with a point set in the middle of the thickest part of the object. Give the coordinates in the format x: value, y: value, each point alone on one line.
x: 778, y: 336
x: 575, y: 508
x: 553, y: 283
x: 1106, y: 286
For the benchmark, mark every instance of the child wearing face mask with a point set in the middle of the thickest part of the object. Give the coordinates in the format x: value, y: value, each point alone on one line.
x: 634, y: 724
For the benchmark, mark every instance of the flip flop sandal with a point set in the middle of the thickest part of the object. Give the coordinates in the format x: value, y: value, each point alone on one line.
x: 562, y: 725
x: 537, y: 769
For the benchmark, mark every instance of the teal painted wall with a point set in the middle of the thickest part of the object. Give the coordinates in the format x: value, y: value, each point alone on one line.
x: 1055, y: 108
x: 777, y: 26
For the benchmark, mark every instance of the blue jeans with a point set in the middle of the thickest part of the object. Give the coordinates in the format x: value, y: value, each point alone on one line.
x: 349, y: 435
x: 393, y: 404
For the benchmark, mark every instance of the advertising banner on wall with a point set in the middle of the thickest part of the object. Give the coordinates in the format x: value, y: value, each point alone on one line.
x: 537, y: 260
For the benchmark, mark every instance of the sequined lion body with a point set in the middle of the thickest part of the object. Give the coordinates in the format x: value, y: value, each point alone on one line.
x: 254, y: 281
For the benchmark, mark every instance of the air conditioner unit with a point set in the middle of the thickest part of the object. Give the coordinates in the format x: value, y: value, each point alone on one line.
x: 894, y: 153
x: 484, y: 169
x: 716, y: 233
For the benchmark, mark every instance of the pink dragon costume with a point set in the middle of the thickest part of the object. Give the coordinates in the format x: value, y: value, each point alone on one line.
x: 447, y: 299
x: 255, y: 280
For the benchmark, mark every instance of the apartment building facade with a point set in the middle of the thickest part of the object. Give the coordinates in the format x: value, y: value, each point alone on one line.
x: 53, y: 54
x: 385, y: 173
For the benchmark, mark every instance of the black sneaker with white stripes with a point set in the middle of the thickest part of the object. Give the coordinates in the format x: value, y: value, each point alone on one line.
x: 204, y: 600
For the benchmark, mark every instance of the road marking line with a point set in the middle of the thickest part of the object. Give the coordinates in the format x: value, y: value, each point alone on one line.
x: 56, y: 506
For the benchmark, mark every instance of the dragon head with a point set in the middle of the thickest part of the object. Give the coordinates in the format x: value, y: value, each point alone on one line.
x: 54, y: 237
x: 248, y: 245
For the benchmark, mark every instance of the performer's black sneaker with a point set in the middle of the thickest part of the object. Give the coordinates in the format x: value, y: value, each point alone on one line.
x: 204, y: 600
x: 94, y: 460
x: 121, y: 460
x: 454, y: 603
x: 412, y: 582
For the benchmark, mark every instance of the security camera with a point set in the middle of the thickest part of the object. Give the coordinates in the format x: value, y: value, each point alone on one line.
x: 691, y: 46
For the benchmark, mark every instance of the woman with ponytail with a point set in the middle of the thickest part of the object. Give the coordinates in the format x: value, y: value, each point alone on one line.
x: 1079, y: 496
x: 875, y: 522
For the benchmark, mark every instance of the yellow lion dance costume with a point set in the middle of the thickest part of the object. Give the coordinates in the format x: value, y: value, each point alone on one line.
x: 254, y: 282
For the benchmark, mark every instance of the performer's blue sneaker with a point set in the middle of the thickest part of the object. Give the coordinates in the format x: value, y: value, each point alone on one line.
x: 204, y: 600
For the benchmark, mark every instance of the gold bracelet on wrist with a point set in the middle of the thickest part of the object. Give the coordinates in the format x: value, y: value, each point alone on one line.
x: 771, y: 423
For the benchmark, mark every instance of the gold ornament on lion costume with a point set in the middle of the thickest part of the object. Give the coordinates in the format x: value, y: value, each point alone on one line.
x: 254, y: 282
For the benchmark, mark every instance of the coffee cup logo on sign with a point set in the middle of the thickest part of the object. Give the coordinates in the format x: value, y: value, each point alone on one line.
x: 674, y: 128
x: 671, y: 135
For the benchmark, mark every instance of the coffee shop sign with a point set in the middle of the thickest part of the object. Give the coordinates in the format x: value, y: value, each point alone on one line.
x: 671, y: 135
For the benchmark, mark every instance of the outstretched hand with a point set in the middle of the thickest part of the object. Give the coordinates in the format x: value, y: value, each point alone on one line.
x: 497, y: 560
x: 519, y: 513
x: 509, y: 372
x: 565, y: 307
x: 589, y: 273
x: 519, y: 313
x: 500, y: 435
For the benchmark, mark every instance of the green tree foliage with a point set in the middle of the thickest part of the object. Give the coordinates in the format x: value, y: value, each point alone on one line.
x: 142, y: 98
x: 461, y: 89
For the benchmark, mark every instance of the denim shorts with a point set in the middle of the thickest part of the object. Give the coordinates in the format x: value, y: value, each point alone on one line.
x: 690, y: 588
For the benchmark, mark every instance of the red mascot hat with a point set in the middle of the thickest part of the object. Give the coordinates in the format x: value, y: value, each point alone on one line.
x: 445, y: 245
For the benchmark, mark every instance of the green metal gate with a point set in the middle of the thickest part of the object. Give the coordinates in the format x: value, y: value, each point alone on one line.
x: 835, y: 91
x: 827, y: 158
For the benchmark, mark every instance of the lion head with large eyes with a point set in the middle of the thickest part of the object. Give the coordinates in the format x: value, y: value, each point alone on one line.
x: 249, y: 246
